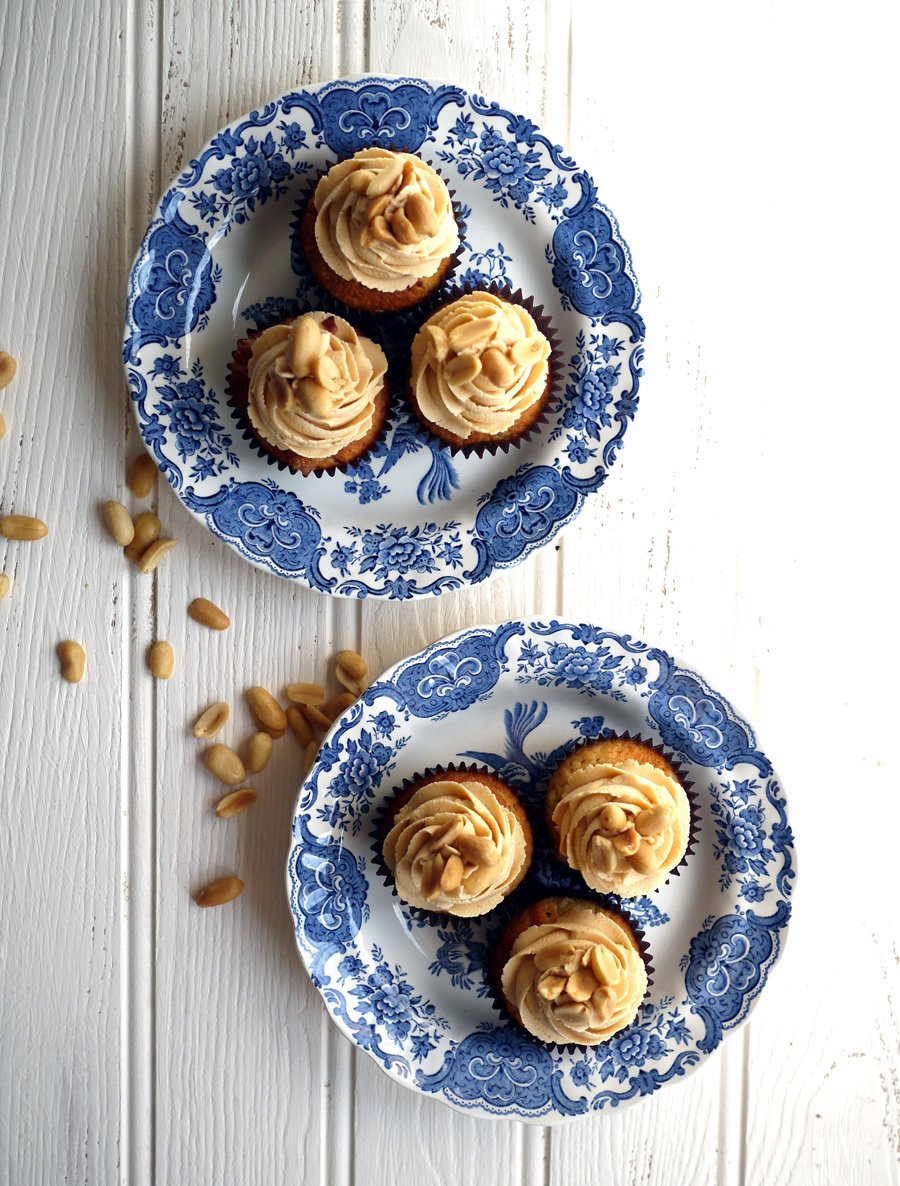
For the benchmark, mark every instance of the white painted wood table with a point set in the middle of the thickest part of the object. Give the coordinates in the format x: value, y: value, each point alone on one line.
x: 747, y: 152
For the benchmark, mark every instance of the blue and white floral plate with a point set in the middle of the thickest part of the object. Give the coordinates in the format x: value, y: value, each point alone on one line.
x: 412, y: 989
x: 218, y: 260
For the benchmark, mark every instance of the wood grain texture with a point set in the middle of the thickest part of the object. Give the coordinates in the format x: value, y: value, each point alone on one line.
x: 145, y: 1041
x: 59, y: 743
x: 245, y: 1059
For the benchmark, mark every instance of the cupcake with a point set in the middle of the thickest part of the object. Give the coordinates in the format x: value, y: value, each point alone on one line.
x: 457, y: 842
x: 379, y: 230
x: 313, y: 391
x: 618, y: 814
x: 571, y: 971
x: 480, y: 371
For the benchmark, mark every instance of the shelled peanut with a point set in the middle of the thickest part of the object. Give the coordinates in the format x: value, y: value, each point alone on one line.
x: 141, y: 475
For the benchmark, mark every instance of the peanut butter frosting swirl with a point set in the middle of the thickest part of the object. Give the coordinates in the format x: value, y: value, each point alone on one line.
x: 384, y: 219
x: 455, y: 848
x: 478, y: 364
x: 313, y: 384
x: 580, y: 979
x: 624, y: 827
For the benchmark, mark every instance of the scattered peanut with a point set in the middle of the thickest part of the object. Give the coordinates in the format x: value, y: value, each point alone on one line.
x: 604, y: 965
x: 604, y: 1001
x: 147, y: 529
x: 581, y: 984
x: 235, y: 802
x: 652, y: 819
x: 452, y: 875
x: 299, y: 725
x: 306, y: 693
x: 431, y: 877
x: 439, y: 342
x: 613, y: 819
x: 224, y: 763
x: 4, y: 585
x: 571, y: 1013
x: 259, y: 750
x: 359, y: 181
x: 385, y: 179
x: 119, y: 523
x: 7, y: 369
x: 309, y: 757
x: 497, y: 368
x: 209, y: 723
x: 351, y: 670
x: 151, y: 558
x: 337, y: 705
x: 161, y: 660
x: 603, y: 855
x: 472, y: 333
x: 303, y: 344
x: 316, y: 717
x: 462, y: 369
x: 207, y: 613
x: 646, y: 860
x: 550, y: 986
x: 2, y: 427
x: 217, y: 893
x: 141, y: 475
x: 527, y: 351
x: 627, y: 843
x: 22, y: 527
x: 266, y: 712
x: 71, y: 661
x: 420, y: 213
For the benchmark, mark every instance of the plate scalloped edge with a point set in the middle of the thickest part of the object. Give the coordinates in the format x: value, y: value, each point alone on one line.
x: 496, y: 1069
x: 174, y: 288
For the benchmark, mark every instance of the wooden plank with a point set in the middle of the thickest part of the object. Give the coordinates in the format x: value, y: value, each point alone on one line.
x: 61, y: 204
x: 245, y: 1063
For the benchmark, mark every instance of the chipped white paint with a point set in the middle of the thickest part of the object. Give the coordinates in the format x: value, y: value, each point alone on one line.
x: 745, y: 150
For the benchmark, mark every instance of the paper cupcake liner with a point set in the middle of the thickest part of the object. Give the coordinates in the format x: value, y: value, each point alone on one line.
x: 446, y: 296
x: 242, y: 420
x: 300, y: 264
x: 687, y: 785
x: 494, y: 991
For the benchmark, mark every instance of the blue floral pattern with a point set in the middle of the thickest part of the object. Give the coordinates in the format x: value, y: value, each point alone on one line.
x: 461, y: 955
x: 518, y: 513
x: 415, y: 990
x: 173, y: 284
x: 486, y: 268
x: 510, y: 168
x: 692, y: 718
x: 257, y: 170
x: 501, y: 1072
x: 595, y: 399
x: 594, y: 671
x: 204, y: 241
x: 456, y: 674
x: 193, y: 414
x: 328, y: 889
x: 356, y: 767
x: 384, y: 994
x: 590, y: 264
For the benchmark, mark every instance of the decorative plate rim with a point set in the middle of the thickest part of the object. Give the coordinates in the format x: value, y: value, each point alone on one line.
x: 172, y: 289
x: 738, y: 746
